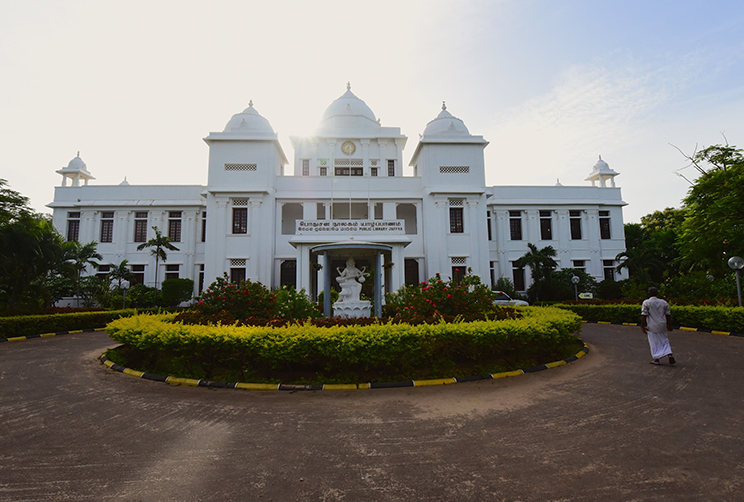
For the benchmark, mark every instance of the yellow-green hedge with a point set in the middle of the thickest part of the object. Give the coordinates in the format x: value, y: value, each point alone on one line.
x: 393, y: 349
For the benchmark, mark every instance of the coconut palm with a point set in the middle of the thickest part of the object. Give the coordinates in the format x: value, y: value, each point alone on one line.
x: 120, y: 272
x: 159, y: 244
x: 77, y: 257
x: 541, y: 265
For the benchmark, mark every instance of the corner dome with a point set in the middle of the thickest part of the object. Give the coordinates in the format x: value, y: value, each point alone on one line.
x: 348, y: 111
x: 250, y: 121
x: 446, y: 123
x: 76, y: 165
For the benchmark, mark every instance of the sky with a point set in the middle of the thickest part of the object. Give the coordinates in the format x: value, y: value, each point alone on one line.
x: 135, y: 85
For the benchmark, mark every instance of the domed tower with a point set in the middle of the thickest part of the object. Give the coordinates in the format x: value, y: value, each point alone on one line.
x: 350, y: 141
x: 602, y: 173
x: 75, y: 171
x: 450, y: 162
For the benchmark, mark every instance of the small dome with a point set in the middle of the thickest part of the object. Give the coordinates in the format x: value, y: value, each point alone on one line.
x: 76, y: 165
x: 351, y: 112
x: 446, y: 123
x: 602, y: 166
x: 249, y: 120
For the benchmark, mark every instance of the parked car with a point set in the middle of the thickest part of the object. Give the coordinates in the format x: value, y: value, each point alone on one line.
x: 504, y: 299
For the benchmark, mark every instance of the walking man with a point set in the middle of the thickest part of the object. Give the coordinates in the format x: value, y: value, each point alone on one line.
x: 656, y: 322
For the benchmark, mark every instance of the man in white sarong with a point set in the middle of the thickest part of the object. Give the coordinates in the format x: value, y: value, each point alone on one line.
x: 656, y: 322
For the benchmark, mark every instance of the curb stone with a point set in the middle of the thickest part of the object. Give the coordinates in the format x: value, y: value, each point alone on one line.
x: 330, y: 387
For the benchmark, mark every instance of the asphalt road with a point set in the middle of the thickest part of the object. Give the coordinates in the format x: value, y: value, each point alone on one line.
x: 608, y: 427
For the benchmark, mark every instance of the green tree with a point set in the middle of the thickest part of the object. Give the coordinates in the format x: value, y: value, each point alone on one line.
x: 542, y: 264
x: 158, y: 245
x: 76, y: 259
x: 713, y: 229
x: 120, y: 272
x: 13, y: 205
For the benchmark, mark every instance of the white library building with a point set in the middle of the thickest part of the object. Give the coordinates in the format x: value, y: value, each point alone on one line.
x: 345, y: 196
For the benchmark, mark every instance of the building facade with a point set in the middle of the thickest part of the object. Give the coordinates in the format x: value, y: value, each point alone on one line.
x: 257, y: 219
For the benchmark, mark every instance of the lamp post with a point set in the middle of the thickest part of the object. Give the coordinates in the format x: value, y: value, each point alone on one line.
x: 124, y: 287
x: 737, y: 263
x: 575, y: 281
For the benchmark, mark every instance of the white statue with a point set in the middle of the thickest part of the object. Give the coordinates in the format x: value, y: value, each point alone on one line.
x: 350, y: 279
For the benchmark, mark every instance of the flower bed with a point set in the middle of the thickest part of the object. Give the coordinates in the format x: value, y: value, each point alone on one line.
x: 303, y: 353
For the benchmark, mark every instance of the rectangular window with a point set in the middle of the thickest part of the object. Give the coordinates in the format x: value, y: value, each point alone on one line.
x: 604, y: 225
x: 488, y: 221
x: 579, y: 265
x: 171, y: 271
x: 306, y: 167
x: 73, y: 226
x: 240, y: 220
x: 349, y: 171
x: 515, y: 225
x: 575, y: 222
x: 373, y: 171
x: 493, y: 274
x: 103, y: 271
x: 174, y: 226
x: 411, y: 271
x: 324, y: 171
x: 138, y: 275
x: 456, y: 220
x: 609, y: 269
x: 391, y: 167
x: 204, y: 228
x: 107, y: 227
x: 518, y: 279
x: 201, y: 278
x: 546, y: 225
x: 458, y: 272
x: 237, y: 275
x: 140, y: 226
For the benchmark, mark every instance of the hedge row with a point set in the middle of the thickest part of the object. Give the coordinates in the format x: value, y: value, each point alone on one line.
x: 343, y: 353
x: 729, y: 319
x: 53, y: 323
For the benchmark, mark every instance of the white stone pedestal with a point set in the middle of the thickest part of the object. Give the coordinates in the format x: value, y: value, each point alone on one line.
x: 352, y: 310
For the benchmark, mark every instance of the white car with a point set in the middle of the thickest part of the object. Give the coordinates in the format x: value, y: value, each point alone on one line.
x: 504, y: 299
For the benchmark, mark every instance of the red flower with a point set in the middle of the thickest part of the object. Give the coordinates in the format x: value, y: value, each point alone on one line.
x: 449, y: 297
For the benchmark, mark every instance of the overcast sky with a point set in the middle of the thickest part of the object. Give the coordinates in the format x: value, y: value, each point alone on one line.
x: 135, y: 85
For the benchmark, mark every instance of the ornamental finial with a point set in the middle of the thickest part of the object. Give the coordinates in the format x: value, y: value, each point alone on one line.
x: 348, y: 86
x: 250, y: 103
x: 444, y: 107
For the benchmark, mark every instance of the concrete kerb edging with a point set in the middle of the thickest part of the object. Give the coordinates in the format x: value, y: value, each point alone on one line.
x: 351, y: 386
x: 681, y: 328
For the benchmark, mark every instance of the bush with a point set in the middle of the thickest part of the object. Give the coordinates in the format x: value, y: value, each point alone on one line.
x: 140, y: 295
x: 438, y: 297
x: 377, y: 352
x: 175, y: 291
x: 53, y: 323
x: 293, y: 305
x: 729, y: 319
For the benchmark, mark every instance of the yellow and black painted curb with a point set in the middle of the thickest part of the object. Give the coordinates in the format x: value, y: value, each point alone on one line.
x: 47, y: 335
x: 680, y: 328
x: 350, y: 386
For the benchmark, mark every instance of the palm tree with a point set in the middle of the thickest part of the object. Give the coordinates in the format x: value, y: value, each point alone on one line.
x: 120, y: 272
x: 159, y: 244
x: 77, y: 257
x: 541, y: 265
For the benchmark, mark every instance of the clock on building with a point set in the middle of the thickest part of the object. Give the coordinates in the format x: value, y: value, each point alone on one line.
x: 348, y: 147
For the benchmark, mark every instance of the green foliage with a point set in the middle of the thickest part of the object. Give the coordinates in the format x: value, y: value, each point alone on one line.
x: 376, y: 352
x: 610, y: 290
x: 713, y: 230
x: 697, y: 285
x: 175, y: 291
x: 247, y: 299
x: 140, y: 296
x: 13, y: 205
x: 715, y: 318
x: 436, y: 296
x: 158, y: 245
x: 293, y: 305
x: 507, y: 286
x: 53, y: 323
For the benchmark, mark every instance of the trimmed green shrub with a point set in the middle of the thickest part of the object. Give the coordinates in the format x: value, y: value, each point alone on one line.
x: 377, y: 352
x: 175, y: 291
x: 715, y: 318
x: 54, y: 323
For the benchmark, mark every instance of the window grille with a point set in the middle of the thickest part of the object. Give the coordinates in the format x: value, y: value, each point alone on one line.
x: 306, y: 167
x: 237, y: 262
x: 348, y: 162
x: 456, y: 202
x: 454, y: 169
x: 239, y: 202
x: 459, y: 260
x: 323, y: 162
x: 374, y: 162
x: 240, y: 167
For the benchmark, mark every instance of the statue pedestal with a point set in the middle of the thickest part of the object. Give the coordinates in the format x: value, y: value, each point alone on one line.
x: 352, y: 310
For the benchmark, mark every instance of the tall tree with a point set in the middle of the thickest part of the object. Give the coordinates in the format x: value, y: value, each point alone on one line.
x: 77, y: 257
x: 542, y: 265
x: 13, y: 205
x: 158, y: 245
x: 120, y: 272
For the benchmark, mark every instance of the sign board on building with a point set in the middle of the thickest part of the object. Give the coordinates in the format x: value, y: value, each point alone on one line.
x: 586, y: 296
x: 305, y: 227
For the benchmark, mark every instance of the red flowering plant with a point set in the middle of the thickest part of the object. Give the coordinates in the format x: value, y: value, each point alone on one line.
x: 469, y: 299
x: 226, y: 301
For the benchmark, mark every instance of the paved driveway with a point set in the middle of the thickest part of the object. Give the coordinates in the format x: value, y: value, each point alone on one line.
x: 607, y: 427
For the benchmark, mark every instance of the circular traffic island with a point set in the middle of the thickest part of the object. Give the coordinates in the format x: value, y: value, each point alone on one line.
x: 309, y: 352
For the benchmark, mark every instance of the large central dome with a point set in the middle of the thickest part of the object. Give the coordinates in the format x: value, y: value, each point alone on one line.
x: 348, y: 111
